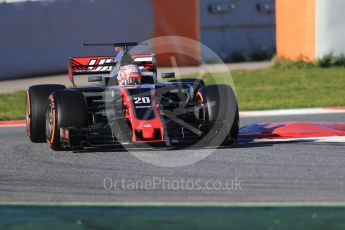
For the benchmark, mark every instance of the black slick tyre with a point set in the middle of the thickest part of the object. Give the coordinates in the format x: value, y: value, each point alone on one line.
x: 66, y: 108
x: 36, y: 104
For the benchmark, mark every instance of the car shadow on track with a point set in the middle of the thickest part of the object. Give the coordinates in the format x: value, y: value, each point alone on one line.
x: 241, y: 143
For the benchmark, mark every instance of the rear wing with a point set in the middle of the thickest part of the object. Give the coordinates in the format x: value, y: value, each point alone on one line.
x: 105, y: 64
x: 146, y: 62
x: 89, y: 65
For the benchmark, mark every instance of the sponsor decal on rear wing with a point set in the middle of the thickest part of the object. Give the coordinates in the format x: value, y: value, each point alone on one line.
x: 90, y: 65
x: 105, y: 64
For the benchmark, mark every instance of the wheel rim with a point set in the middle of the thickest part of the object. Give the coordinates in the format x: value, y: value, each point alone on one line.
x: 200, y: 112
x: 49, y: 121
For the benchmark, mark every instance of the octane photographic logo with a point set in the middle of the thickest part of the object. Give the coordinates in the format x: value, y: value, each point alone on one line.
x: 166, y: 184
x: 176, y: 155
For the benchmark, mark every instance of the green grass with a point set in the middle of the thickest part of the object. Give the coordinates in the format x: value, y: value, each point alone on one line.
x: 12, y: 106
x: 273, y: 88
x: 280, y: 88
x: 290, y: 88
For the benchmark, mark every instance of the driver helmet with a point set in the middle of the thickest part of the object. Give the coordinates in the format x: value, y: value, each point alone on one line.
x: 129, y: 75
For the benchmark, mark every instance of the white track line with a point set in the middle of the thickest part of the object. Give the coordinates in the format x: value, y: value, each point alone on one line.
x: 334, y: 139
x: 290, y: 112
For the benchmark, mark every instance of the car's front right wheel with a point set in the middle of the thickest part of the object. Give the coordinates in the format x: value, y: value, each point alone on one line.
x: 221, y: 114
x: 36, y: 103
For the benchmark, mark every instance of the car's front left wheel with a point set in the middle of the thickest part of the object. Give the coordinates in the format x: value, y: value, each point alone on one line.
x: 66, y: 108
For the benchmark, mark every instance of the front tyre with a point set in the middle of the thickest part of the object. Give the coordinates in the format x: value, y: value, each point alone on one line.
x: 221, y: 114
x: 36, y: 104
x: 66, y: 108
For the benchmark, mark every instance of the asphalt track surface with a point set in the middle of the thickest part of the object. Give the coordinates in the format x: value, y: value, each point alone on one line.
x: 265, y: 172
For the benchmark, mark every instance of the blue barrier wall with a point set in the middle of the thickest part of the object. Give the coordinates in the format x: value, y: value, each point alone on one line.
x: 38, y: 37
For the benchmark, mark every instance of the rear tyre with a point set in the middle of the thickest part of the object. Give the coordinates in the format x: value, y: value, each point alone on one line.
x: 66, y: 108
x: 36, y: 104
x: 222, y: 114
x: 196, y: 83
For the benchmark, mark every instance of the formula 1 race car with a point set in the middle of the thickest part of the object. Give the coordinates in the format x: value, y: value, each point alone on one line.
x: 127, y: 105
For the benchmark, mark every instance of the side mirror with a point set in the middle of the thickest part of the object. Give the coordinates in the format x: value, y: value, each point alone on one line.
x: 168, y: 75
x: 95, y: 78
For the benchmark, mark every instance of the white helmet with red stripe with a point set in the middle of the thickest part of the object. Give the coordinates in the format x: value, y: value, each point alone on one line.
x: 129, y: 75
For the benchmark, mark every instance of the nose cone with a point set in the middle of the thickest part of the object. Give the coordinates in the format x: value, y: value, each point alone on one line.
x: 148, y: 131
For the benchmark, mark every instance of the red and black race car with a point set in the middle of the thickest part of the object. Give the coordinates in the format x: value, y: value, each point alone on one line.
x: 125, y: 104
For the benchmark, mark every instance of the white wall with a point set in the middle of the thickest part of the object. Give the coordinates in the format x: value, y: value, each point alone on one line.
x: 38, y: 37
x: 330, y: 27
